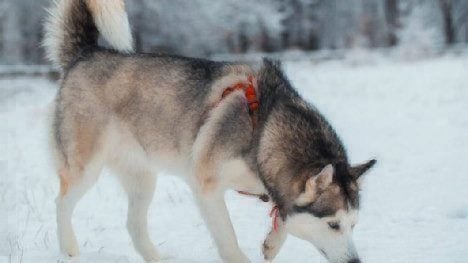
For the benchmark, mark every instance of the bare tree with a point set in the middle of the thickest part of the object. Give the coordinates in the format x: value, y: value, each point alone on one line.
x: 446, y: 8
x: 204, y: 27
x: 460, y: 20
x: 392, y: 16
x: 12, y: 52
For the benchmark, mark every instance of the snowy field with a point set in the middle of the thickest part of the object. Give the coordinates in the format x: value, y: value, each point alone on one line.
x: 411, y: 116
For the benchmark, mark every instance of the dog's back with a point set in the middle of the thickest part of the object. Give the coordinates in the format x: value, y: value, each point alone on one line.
x: 161, y: 100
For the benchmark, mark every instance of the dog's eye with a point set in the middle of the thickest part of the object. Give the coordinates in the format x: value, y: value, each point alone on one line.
x: 334, y: 225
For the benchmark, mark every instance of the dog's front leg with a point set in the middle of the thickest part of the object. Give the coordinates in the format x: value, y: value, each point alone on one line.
x: 274, y: 241
x: 214, y: 211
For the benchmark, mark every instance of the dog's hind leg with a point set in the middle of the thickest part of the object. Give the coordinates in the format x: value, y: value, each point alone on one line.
x: 80, y: 163
x: 140, y: 185
x: 74, y: 183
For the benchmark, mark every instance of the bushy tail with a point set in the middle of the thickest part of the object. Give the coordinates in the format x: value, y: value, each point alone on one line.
x: 73, y: 25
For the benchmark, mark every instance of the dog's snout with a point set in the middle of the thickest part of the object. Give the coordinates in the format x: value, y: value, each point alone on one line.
x: 355, y: 260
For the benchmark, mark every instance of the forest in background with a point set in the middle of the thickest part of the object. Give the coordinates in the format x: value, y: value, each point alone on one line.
x: 207, y: 27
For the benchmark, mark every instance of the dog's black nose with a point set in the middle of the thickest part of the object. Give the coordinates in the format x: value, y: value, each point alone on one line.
x: 356, y: 260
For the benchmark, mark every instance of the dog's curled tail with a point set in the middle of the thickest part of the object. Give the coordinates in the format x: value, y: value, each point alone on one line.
x: 73, y: 26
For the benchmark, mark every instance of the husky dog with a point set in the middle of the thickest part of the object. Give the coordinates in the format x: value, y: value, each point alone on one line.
x: 142, y: 113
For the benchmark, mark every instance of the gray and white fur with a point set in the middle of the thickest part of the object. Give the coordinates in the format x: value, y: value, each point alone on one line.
x: 143, y: 113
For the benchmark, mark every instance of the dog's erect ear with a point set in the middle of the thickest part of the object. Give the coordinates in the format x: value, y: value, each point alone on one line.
x: 315, y: 183
x: 325, y: 177
x: 270, y: 79
x: 270, y: 63
x: 357, y: 171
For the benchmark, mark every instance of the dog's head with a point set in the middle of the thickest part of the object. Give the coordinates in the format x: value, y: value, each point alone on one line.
x: 326, y: 211
x: 305, y: 167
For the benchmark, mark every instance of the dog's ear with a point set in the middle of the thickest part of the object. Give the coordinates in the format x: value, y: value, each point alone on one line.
x: 314, y: 184
x: 356, y: 172
x: 273, y: 64
x: 270, y: 78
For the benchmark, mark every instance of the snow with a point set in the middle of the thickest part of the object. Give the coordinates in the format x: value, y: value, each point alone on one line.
x: 411, y: 116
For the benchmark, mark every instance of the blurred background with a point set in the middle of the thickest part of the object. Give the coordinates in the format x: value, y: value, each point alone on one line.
x: 390, y: 75
x: 207, y: 27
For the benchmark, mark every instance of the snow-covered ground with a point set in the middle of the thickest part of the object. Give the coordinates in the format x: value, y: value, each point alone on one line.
x: 411, y: 116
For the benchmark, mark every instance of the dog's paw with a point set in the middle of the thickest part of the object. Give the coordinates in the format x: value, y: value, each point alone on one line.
x: 273, y: 243
x: 235, y: 256
x: 69, y: 246
x: 268, y: 251
x: 63, y: 258
x: 70, y: 251
x: 243, y: 259
x: 161, y: 259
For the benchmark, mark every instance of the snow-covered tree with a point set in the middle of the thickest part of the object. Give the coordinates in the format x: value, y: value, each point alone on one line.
x: 10, y: 38
x: 22, y: 31
x: 300, y: 23
x: 392, y: 18
x: 205, y: 27
x: 201, y: 27
x: 423, y: 28
x: 460, y: 20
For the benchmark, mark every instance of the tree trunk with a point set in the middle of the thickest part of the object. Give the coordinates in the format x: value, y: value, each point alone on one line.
x: 446, y: 8
x: 391, y: 17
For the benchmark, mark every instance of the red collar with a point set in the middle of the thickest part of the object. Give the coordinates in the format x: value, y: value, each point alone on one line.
x: 274, y: 213
x: 249, y: 91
